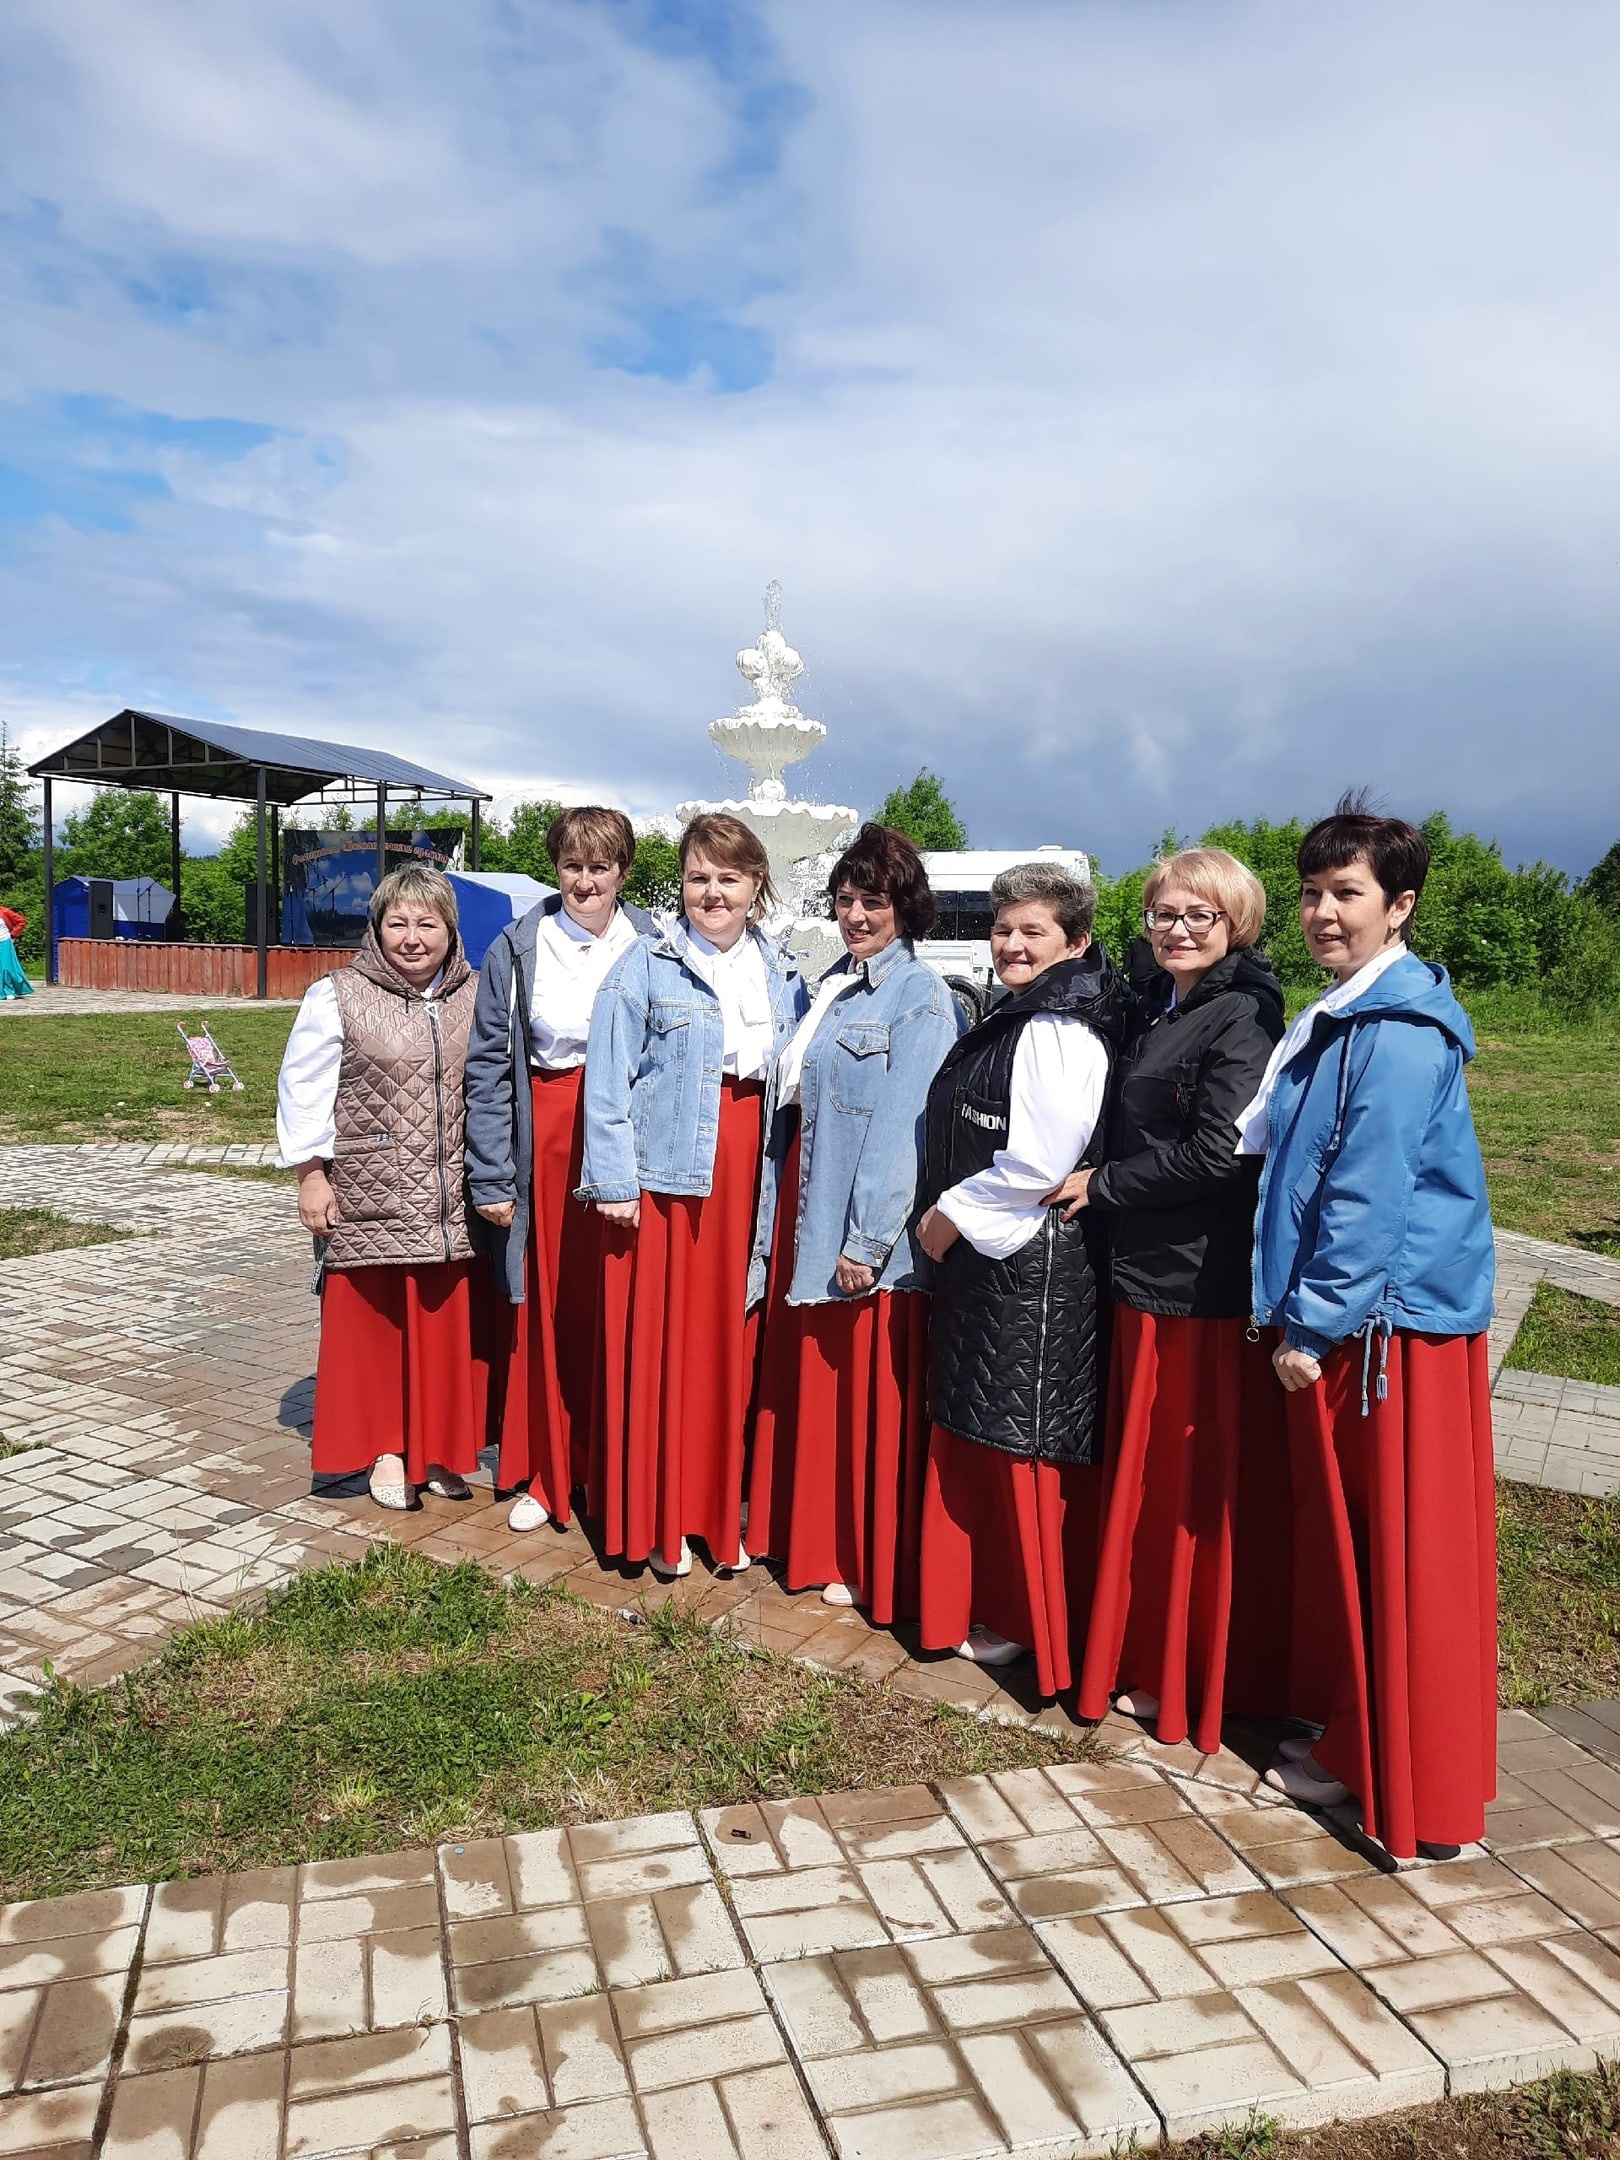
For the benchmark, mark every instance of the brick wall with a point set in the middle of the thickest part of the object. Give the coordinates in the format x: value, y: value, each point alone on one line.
x: 194, y: 970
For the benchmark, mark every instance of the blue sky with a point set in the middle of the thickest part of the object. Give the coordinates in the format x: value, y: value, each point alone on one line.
x: 1153, y: 411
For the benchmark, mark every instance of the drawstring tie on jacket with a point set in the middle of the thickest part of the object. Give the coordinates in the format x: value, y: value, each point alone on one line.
x: 1383, y: 1330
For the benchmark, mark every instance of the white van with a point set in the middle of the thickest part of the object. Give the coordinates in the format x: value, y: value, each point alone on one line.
x: 959, y: 943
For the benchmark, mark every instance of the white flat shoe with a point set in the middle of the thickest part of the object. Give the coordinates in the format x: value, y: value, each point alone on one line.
x: 390, y: 1490
x: 985, y: 1647
x: 448, y: 1484
x: 662, y: 1569
x: 838, y: 1593
x: 1137, y: 1704
x: 527, y: 1514
x: 1308, y: 1783
x: 742, y: 1562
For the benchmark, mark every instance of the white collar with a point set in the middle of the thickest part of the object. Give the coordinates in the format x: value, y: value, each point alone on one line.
x: 714, y: 952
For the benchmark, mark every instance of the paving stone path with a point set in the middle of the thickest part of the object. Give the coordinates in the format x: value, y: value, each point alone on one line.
x: 1045, y: 1961
x: 54, y: 1002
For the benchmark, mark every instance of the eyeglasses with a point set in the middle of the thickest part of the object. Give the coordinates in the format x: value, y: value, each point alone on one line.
x: 1200, y: 921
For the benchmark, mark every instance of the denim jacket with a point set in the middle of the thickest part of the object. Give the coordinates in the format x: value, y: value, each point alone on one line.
x: 500, y: 1109
x: 652, y: 1072
x: 861, y: 1098
x: 1373, y: 1213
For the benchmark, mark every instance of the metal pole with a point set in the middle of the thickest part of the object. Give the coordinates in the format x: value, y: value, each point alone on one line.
x: 50, y: 888
x: 382, y: 833
x: 174, y: 858
x: 263, y: 924
x: 476, y: 823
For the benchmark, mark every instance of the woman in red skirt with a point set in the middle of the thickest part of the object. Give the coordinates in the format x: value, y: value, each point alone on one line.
x: 1015, y: 1339
x: 685, y: 1029
x: 1374, y: 1257
x: 525, y: 1137
x: 841, y: 1431
x: 369, y: 1113
x: 1196, y: 1520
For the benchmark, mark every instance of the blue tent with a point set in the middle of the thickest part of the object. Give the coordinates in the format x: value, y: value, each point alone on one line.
x: 487, y: 900
x: 141, y: 907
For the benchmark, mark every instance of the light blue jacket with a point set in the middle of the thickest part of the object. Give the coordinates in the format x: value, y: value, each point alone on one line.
x: 653, y: 1068
x: 861, y: 1098
x: 1373, y: 1213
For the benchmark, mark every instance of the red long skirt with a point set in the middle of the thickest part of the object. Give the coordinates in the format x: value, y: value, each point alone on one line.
x: 546, y: 1421
x: 840, y: 1434
x: 676, y: 1356
x: 1395, y: 1605
x: 1008, y: 1545
x: 1194, y: 1565
x: 403, y: 1368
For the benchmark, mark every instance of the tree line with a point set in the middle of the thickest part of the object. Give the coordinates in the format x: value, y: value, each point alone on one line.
x: 1492, y: 926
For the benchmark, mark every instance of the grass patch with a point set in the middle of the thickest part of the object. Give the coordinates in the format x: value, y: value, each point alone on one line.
x: 1558, y: 1586
x: 394, y: 1702
x: 121, y: 1076
x: 1566, y: 2117
x: 1547, y: 1110
x: 1576, y: 1338
x: 27, y: 1231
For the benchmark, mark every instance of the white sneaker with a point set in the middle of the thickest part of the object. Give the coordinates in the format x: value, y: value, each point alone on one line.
x: 742, y: 1562
x: 837, y: 1593
x: 527, y: 1514
x: 1308, y: 1783
x: 448, y: 1484
x: 985, y: 1647
x: 662, y: 1569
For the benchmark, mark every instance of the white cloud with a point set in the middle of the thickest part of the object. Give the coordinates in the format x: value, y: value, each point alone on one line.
x: 1175, y: 412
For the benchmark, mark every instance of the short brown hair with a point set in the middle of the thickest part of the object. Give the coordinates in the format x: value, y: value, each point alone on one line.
x: 592, y: 831
x: 422, y: 883
x: 726, y: 840
x: 1073, y: 902
x: 881, y: 860
x: 1218, y: 878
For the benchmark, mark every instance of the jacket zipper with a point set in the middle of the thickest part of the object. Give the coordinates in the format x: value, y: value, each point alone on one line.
x: 438, y: 1111
x: 1046, y: 1301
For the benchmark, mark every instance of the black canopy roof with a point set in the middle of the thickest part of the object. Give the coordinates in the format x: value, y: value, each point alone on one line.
x: 207, y: 757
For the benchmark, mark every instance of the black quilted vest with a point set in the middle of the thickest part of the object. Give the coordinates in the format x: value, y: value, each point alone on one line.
x: 1016, y: 1347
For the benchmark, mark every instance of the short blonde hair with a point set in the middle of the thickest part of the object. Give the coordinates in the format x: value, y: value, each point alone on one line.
x: 426, y: 887
x: 1218, y: 878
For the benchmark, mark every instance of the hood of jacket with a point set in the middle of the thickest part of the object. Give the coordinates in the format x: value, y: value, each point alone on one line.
x: 1416, y: 989
x: 374, y: 964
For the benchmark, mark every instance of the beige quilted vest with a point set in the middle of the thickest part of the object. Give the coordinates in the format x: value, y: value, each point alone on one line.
x: 397, y: 1167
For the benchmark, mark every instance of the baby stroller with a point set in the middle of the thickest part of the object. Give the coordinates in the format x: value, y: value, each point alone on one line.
x: 209, y: 1063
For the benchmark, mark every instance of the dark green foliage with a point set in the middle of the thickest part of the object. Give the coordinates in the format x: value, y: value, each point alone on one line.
x: 526, y: 841
x: 1602, y: 883
x: 924, y: 813
x: 121, y: 833
x: 19, y: 813
x: 655, y: 875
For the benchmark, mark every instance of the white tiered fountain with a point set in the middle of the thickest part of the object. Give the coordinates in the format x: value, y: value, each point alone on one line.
x: 767, y: 736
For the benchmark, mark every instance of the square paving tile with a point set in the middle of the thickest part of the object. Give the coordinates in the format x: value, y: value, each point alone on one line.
x: 849, y: 1871
x: 554, y: 1913
x: 379, y: 2092
x: 956, y: 2045
x: 1499, y: 1982
x: 1229, y: 2003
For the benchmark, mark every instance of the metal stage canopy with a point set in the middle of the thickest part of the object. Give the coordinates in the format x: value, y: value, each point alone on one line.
x: 164, y: 755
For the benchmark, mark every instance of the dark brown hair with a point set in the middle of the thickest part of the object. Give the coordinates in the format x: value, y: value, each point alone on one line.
x: 592, y: 832
x: 1396, y: 853
x: 881, y: 860
x: 729, y: 842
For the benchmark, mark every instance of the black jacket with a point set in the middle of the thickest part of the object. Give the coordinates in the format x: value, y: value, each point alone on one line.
x: 1178, y: 1202
x: 1015, y: 1349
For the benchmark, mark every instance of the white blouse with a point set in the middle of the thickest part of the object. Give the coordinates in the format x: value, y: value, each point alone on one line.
x: 790, y: 1066
x: 570, y: 964
x: 738, y: 979
x: 1253, y: 1122
x: 1059, y: 1078
x: 307, y: 1088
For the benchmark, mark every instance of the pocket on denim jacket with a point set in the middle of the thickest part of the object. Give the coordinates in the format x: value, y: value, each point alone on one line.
x: 861, y: 1065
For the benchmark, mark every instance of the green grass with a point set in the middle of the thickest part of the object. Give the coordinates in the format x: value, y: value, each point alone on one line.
x: 1578, y: 1338
x: 121, y: 1076
x: 395, y: 1702
x: 1558, y: 1587
x: 1547, y: 1110
x: 27, y: 1231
